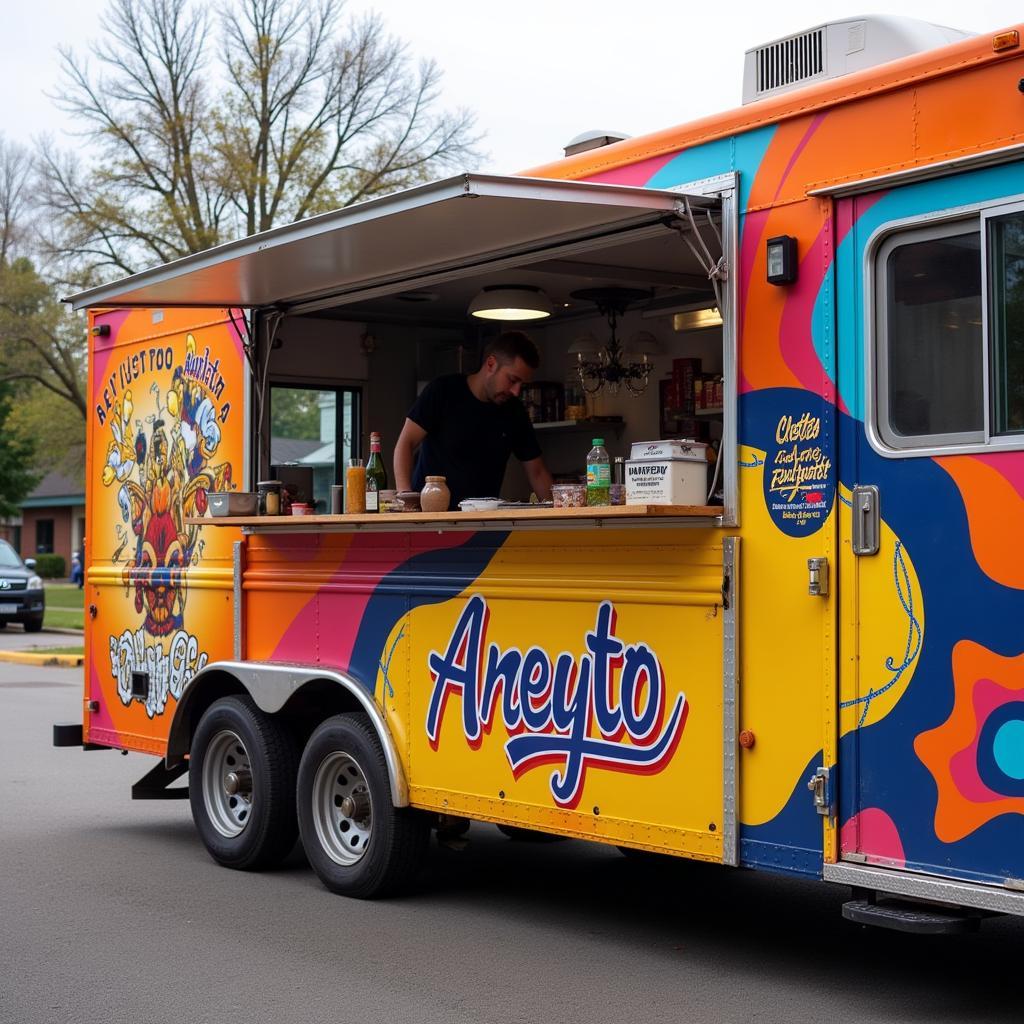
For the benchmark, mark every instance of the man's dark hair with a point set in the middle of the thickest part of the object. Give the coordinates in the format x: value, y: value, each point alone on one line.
x: 508, y: 346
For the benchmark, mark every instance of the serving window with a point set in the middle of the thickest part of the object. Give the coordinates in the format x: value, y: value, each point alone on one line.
x: 634, y: 349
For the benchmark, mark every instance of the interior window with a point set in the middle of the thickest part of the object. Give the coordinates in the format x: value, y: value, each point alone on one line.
x: 1006, y: 315
x: 314, y: 432
x: 934, y: 358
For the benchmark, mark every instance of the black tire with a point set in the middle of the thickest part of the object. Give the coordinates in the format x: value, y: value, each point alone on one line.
x: 34, y: 625
x: 356, y: 840
x: 529, y: 835
x: 3, y: 623
x: 246, y: 822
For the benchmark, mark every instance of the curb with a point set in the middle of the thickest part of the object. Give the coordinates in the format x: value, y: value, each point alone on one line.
x: 63, y: 631
x: 41, y: 658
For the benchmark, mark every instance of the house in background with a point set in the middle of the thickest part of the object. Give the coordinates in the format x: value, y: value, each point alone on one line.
x: 52, y: 519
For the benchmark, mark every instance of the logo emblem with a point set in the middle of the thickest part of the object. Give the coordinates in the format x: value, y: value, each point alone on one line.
x: 608, y: 709
x: 5, y: 584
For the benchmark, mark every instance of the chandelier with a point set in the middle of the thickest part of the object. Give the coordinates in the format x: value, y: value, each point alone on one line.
x: 608, y: 368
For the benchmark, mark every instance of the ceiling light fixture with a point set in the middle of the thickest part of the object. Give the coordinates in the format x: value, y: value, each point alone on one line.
x: 511, y: 302
x: 696, y: 319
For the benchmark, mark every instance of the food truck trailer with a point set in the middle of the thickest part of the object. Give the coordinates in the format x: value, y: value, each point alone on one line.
x: 818, y: 669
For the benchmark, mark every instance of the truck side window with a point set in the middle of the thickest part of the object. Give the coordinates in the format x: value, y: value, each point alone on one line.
x: 930, y: 361
x: 1006, y: 320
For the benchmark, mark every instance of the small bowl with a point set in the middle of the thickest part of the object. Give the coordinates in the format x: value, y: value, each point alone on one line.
x: 301, y: 509
x: 410, y: 500
x: 479, y: 504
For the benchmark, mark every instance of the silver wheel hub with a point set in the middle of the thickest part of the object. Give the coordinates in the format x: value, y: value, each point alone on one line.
x: 342, y: 809
x: 227, y: 784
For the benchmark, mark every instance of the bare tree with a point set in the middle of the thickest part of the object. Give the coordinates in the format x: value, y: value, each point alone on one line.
x: 204, y: 129
x: 15, y: 181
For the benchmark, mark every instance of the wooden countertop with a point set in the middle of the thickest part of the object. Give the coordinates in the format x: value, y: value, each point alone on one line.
x: 498, y: 519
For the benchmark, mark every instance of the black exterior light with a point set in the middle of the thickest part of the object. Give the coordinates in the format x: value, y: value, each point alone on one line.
x: 781, y: 259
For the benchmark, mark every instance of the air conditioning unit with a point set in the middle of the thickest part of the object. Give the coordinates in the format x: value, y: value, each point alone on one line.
x: 835, y: 49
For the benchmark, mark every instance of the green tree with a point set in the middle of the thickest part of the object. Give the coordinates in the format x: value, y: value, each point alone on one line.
x: 40, y: 341
x: 204, y: 128
x: 295, y: 413
x: 17, y: 477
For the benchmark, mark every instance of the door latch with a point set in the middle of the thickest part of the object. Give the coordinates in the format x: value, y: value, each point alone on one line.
x: 817, y: 577
x: 867, y: 520
x: 821, y: 791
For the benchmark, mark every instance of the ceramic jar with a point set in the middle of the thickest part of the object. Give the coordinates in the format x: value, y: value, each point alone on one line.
x: 435, y: 496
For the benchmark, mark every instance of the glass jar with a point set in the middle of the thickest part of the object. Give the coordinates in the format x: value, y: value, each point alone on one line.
x: 269, y: 500
x: 435, y: 496
x: 355, y: 487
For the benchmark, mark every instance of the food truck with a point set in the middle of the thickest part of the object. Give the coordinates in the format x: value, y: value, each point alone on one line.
x: 815, y: 668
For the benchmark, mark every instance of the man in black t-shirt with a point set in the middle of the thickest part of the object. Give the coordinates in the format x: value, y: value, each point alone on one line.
x: 466, y: 427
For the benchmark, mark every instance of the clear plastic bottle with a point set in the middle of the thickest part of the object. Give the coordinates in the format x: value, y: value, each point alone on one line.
x: 599, y: 473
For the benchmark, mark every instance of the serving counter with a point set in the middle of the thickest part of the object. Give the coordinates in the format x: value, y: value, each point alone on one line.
x: 500, y: 519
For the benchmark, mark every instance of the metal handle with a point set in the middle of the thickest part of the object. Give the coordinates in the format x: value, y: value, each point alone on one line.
x: 867, y: 519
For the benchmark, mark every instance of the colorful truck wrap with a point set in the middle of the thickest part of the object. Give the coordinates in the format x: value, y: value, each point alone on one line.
x: 597, y: 683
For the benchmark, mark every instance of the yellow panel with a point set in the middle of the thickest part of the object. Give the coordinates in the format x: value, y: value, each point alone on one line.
x: 607, y: 722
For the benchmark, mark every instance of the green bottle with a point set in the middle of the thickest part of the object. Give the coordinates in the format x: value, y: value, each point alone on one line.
x: 599, y: 474
x: 375, y: 472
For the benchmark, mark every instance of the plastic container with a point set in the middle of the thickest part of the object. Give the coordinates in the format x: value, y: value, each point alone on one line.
x: 569, y: 495
x: 674, y: 473
x: 599, y: 473
x: 479, y: 504
x: 233, y: 503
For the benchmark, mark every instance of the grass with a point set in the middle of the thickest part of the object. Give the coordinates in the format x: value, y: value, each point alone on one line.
x: 64, y: 607
x: 56, y: 650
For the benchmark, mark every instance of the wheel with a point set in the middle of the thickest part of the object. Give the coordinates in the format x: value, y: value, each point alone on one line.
x: 241, y: 776
x: 356, y: 840
x: 3, y: 623
x: 528, y: 835
x: 34, y: 625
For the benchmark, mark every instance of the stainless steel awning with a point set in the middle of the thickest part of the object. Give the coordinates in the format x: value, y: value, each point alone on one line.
x: 396, y: 242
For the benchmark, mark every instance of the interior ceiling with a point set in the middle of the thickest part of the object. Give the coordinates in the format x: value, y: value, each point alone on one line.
x: 663, y: 264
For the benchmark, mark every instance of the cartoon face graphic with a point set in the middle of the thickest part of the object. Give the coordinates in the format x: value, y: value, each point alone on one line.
x: 162, y: 470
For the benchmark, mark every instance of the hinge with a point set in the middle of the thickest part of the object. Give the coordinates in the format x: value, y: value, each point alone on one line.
x: 726, y: 585
x: 820, y: 785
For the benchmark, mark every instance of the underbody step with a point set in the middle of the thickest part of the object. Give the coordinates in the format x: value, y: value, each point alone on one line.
x: 153, y: 785
x: 909, y: 916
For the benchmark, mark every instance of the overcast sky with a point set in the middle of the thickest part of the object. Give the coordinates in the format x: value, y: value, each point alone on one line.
x: 536, y: 72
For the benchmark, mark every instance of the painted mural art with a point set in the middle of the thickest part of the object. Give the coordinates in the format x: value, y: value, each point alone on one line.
x: 164, y: 407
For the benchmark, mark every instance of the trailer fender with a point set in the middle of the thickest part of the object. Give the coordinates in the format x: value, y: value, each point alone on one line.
x: 271, y: 686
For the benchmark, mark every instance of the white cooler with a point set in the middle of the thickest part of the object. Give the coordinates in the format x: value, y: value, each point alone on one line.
x: 667, y: 473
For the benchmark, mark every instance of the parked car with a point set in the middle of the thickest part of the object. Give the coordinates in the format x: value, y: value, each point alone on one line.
x: 22, y: 598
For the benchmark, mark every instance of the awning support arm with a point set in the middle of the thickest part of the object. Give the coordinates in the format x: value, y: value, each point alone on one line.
x: 716, y: 269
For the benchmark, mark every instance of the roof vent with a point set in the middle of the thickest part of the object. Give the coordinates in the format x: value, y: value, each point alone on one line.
x: 835, y: 49
x: 594, y: 139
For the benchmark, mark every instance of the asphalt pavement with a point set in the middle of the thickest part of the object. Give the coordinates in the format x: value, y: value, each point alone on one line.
x: 111, y: 911
x: 14, y: 638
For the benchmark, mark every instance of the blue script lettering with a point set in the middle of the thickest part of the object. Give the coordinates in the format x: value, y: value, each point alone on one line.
x: 549, y: 711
